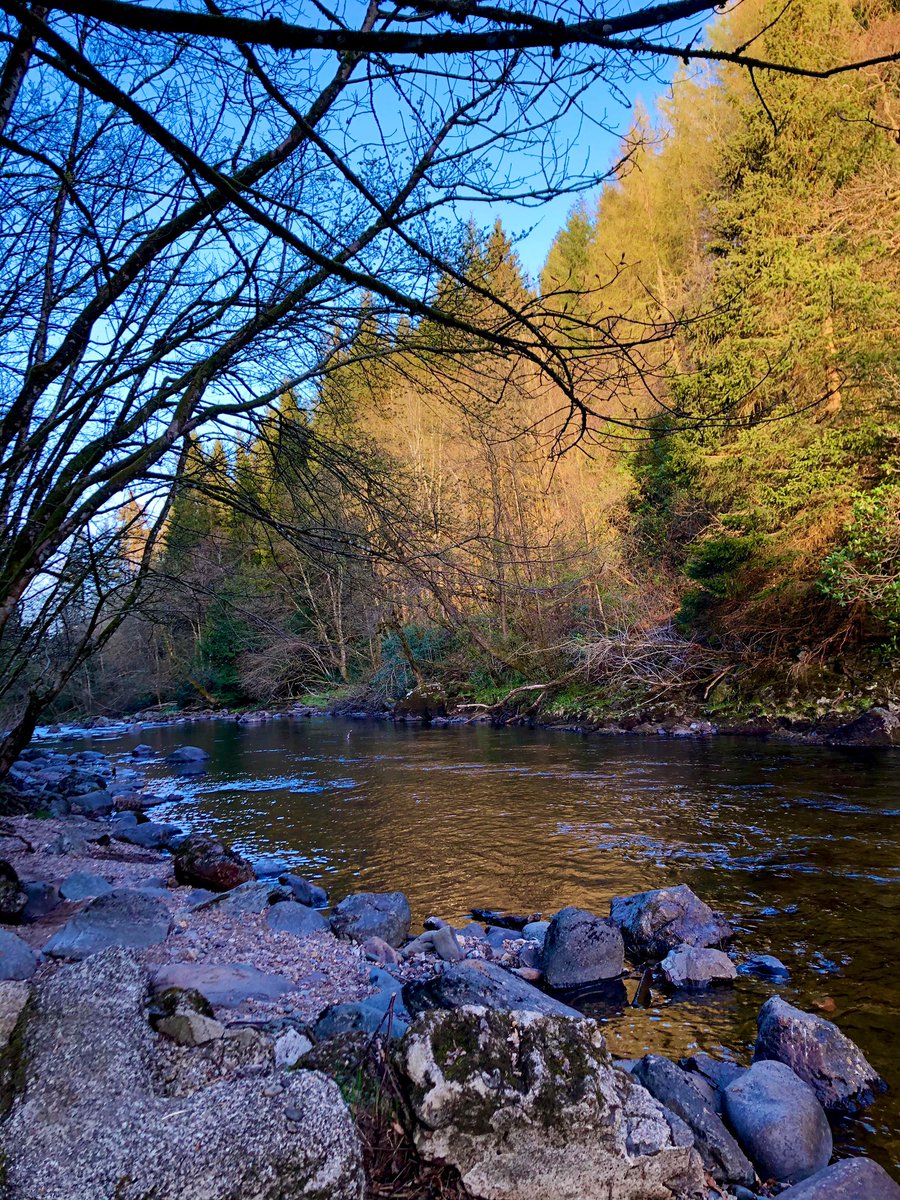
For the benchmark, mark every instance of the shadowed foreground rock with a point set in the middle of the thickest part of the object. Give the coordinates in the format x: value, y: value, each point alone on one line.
x: 816, y: 1050
x: 88, y: 1126
x: 529, y: 1107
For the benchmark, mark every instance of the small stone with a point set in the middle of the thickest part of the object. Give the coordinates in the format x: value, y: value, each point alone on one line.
x: 190, y: 1028
x: 697, y: 967
x: 290, y: 1048
x: 373, y: 914
x: 17, y: 959
x: 377, y: 950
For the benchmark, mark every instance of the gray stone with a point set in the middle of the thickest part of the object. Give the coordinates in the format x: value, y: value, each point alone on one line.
x: 373, y: 914
x: 379, y: 951
x: 152, y: 835
x: 190, y: 1028
x: 305, y: 892
x: 655, y: 922
x: 717, y: 1072
x: 536, y: 930
x: 142, y: 751
x: 816, y: 1050
x: 849, y: 1179
x: 81, y: 885
x: 123, y: 917
x: 187, y: 754
x: 41, y: 900
x: 291, y: 917
x: 528, y: 1106
x: 779, y: 1122
x: 17, y: 959
x: 481, y: 983
x: 675, y: 1089
x: 254, y: 896
x: 697, y: 967
x: 766, y: 965
x: 94, y: 804
x: 225, y: 985
x: 581, y: 948
x: 358, y: 1017
x: 441, y: 941
x: 89, y: 1125
x: 290, y: 1047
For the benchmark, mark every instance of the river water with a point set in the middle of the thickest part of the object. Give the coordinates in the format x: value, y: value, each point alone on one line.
x: 800, y: 846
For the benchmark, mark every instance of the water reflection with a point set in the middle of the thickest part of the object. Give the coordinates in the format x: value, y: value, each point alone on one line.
x: 799, y: 845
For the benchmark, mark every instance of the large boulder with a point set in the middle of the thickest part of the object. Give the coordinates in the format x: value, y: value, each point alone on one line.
x: 94, y: 803
x: 779, y: 1122
x: 124, y: 917
x: 528, y: 1106
x: 305, y: 892
x: 580, y: 948
x: 655, y: 922
x: 17, y: 959
x: 373, y: 914
x: 82, y: 885
x: 816, y: 1050
x: 849, y: 1179
x: 88, y: 1125
x: 678, y: 1092
x: 877, y: 727
x: 481, y: 983
x: 187, y: 754
x: 224, y: 985
x: 205, y: 862
x: 697, y: 967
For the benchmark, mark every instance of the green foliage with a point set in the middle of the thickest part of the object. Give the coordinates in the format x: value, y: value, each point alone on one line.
x: 866, y: 569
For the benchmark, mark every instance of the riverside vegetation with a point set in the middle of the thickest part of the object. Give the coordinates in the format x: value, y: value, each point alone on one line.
x: 179, y: 1023
x: 723, y: 542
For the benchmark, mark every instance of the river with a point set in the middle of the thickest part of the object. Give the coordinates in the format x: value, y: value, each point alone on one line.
x: 799, y: 845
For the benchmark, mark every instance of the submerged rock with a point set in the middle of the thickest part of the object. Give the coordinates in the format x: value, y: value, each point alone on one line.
x: 816, y: 1050
x: 766, y: 965
x: 187, y: 754
x: 89, y: 1126
x: 580, y: 948
x: 481, y: 983
x: 528, y: 1106
x: 655, y: 922
x: 779, y: 1122
x: 373, y: 914
x: 697, y: 967
x: 677, y: 1091
x: 122, y: 917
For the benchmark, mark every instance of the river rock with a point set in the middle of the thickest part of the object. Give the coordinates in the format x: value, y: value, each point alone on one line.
x: 697, y: 967
x: 373, y: 914
x: 716, y: 1072
x: 849, y: 1179
x: 481, y: 983
x: 207, y: 863
x: 187, y: 754
x: 225, y: 985
x: 779, y: 1122
x: 81, y: 885
x: 298, y: 919
x: 536, y: 931
x: 142, y: 750
x: 17, y: 959
x: 581, y: 947
x: 94, y: 804
x: 379, y: 951
x: 88, y: 1124
x: 190, y: 1028
x: 358, y: 1017
x: 254, y: 896
x: 13, y: 896
x: 305, y: 892
x: 424, y: 702
x: 816, y: 1050
x: 877, y: 727
x: 676, y: 1090
x: 766, y: 965
x: 151, y: 835
x: 290, y: 1047
x: 442, y: 942
x: 655, y: 922
x: 124, y: 917
x: 528, y: 1106
x: 42, y: 899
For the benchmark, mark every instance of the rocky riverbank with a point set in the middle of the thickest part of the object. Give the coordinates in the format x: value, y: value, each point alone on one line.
x: 176, y: 1021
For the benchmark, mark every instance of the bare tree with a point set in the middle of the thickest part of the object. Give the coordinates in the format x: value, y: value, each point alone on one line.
x: 192, y: 200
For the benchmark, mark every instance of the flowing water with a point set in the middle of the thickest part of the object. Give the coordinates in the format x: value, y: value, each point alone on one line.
x: 800, y: 846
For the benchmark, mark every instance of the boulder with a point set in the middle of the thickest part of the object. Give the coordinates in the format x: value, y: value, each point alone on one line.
x: 697, y: 967
x: 536, y: 931
x: 766, y: 965
x: 88, y: 1124
x: 13, y: 896
x: 676, y: 1090
x: 373, y: 914
x: 143, y: 751
x: 877, y: 727
x: 187, y: 754
x: 581, y: 948
x: 779, y: 1122
x: 655, y: 922
x: 42, y: 899
x: 849, y: 1179
x: 255, y: 896
x: 304, y: 892
x: 124, y: 917
x: 14, y: 997
x: 291, y: 917
x: 204, y: 862
x: 481, y: 983
x: 816, y: 1050
x: 716, y: 1072
x: 359, y: 1017
x: 151, y: 835
x: 81, y: 885
x: 224, y: 985
x: 17, y: 959
x: 94, y: 804
x: 424, y: 702
x: 528, y: 1106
